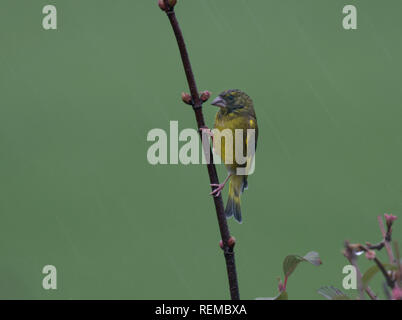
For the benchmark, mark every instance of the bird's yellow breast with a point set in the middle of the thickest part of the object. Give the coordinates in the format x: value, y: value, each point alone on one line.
x: 232, y: 122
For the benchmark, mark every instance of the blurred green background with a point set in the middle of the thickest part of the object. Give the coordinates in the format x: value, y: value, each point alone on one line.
x: 76, y: 104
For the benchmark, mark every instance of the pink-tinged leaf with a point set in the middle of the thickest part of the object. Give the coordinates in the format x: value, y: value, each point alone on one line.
x: 313, y: 257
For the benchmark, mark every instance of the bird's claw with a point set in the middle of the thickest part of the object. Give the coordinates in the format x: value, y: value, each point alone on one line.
x: 217, y: 191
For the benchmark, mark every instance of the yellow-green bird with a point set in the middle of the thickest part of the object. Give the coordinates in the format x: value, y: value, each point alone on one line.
x: 236, y: 112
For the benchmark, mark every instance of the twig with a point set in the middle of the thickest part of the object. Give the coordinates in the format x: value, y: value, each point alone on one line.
x: 386, y: 238
x: 398, y: 258
x: 380, y: 266
x: 390, y: 283
x: 371, y: 294
x: 227, y: 240
x: 377, y: 246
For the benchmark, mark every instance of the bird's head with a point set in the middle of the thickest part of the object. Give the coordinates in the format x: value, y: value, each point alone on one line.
x: 233, y: 100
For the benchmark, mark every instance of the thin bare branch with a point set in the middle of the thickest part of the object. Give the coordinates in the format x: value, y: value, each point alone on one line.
x: 227, y: 240
x: 386, y: 238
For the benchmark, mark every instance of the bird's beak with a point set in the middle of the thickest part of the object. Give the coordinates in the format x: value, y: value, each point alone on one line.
x: 219, y: 102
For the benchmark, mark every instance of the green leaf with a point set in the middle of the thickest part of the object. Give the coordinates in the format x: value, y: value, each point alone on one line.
x: 372, y: 271
x: 281, y: 296
x: 290, y: 263
x: 332, y: 293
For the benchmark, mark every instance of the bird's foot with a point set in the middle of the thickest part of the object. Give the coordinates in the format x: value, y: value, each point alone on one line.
x: 218, y: 189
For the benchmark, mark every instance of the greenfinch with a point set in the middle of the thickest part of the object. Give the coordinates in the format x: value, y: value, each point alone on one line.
x: 236, y: 112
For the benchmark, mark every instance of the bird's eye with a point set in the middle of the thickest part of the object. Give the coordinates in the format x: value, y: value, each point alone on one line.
x: 231, y: 98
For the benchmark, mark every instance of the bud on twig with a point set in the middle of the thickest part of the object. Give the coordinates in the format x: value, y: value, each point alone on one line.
x: 389, y: 219
x: 231, y: 242
x: 370, y: 254
x: 205, y: 95
x: 162, y: 5
x: 186, y: 98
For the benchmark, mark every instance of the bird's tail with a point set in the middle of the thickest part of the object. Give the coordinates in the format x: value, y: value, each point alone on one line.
x: 236, y: 187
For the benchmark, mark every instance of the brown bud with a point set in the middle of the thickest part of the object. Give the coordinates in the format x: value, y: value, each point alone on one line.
x: 370, y: 255
x: 232, y: 242
x: 171, y: 4
x: 161, y: 4
x: 389, y: 219
x: 186, y: 98
x: 205, y: 95
x: 221, y: 244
